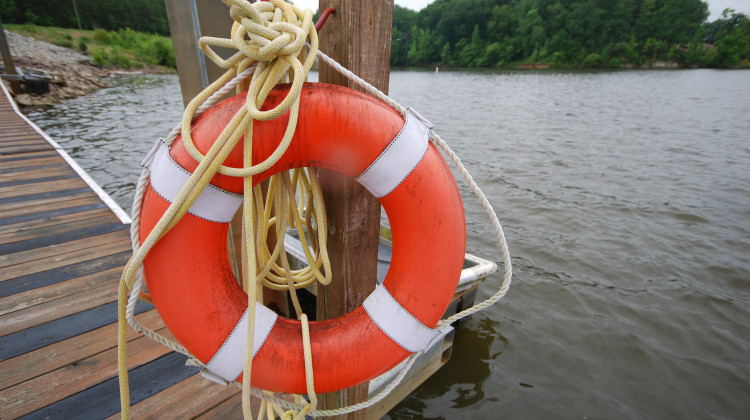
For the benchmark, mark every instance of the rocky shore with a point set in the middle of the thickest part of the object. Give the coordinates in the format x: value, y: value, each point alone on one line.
x: 73, y: 73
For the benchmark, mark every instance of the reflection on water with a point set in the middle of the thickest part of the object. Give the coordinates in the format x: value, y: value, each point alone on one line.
x: 625, y: 198
x: 462, y: 382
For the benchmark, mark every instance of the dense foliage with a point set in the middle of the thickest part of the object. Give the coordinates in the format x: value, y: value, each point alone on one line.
x: 139, y: 15
x: 560, y: 33
x: 480, y: 33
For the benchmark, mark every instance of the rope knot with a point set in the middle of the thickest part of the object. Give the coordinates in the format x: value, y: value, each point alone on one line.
x: 265, y: 31
x: 273, y: 40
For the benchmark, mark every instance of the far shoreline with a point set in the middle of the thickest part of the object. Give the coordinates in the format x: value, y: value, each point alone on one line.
x: 72, y: 73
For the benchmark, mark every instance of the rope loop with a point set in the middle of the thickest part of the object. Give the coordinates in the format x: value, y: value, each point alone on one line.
x: 274, y: 35
x: 264, y: 35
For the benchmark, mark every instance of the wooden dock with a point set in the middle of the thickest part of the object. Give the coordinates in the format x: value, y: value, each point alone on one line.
x: 62, y: 250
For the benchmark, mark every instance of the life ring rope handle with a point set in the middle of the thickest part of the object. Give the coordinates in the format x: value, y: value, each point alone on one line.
x: 214, y: 204
x: 388, y: 170
x: 434, y: 138
x: 137, y: 283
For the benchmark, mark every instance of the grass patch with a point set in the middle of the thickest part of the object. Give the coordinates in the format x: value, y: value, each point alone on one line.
x: 123, y: 48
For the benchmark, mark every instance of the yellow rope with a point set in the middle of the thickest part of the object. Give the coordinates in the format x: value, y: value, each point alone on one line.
x: 272, y: 34
x: 263, y: 33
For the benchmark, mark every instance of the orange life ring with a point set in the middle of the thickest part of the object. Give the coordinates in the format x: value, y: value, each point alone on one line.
x: 191, y: 283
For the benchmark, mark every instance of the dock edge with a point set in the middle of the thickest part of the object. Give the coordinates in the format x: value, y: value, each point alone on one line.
x: 116, y: 209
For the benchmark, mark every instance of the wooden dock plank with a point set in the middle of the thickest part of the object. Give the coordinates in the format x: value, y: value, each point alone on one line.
x: 89, y: 252
x: 12, y: 150
x: 28, y: 182
x: 39, y: 204
x: 13, y: 173
x: 22, y: 190
x: 19, y: 200
x: 60, y: 329
x: 230, y: 409
x: 25, y: 139
x: 49, y: 311
x: 102, y: 400
x: 59, y: 252
x: 30, y: 159
x: 47, y: 359
x: 14, y: 126
x: 13, y: 129
x: 16, y: 134
x: 65, y: 235
x: 56, y: 276
x: 18, y: 173
x: 188, y: 399
x: 51, y: 225
x: 63, y: 382
x: 31, y: 177
x: 60, y: 290
x: 13, y: 214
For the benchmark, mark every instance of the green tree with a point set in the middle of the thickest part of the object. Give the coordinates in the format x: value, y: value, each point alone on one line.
x: 403, y: 20
x: 445, y: 53
x: 8, y: 11
x: 564, y: 33
x: 140, y: 15
x: 732, y: 40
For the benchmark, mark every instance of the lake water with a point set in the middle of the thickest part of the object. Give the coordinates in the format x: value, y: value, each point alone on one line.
x: 625, y: 197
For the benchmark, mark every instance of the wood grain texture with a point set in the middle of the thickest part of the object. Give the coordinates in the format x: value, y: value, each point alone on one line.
x: 29, y: 209
x: 53, y: 225
x: 47, y: 359
x: 190, y: 398
x: 48, y: 294
x: 357, y: 35
x: 59, y: 253
x: 67, y: 380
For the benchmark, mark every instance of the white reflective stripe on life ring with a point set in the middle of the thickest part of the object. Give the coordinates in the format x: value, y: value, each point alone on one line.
x: 168, y: 178
x: 401, y: 156
x: 397, y: 323
x: 229, y: 361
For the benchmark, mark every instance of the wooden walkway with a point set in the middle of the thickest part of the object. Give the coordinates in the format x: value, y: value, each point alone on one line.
x: 61, y: 254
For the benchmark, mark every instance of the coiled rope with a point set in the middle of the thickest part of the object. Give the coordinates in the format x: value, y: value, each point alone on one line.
x: 269, y: 38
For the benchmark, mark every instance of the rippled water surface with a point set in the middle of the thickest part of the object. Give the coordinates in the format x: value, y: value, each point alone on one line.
x: 109, y: 131
x: 626, y: 202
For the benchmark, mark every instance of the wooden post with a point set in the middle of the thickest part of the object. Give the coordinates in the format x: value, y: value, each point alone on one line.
x: 188, y: 21
x: 357, y: 35
x: 10, y: 68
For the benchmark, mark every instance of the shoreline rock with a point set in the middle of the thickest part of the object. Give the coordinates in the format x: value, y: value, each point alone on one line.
x: 73, y: 74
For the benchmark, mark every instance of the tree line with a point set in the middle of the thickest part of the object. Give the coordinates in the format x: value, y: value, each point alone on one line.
x: 565, y: 33
x: 139, y: 15
x: 487, y: 33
